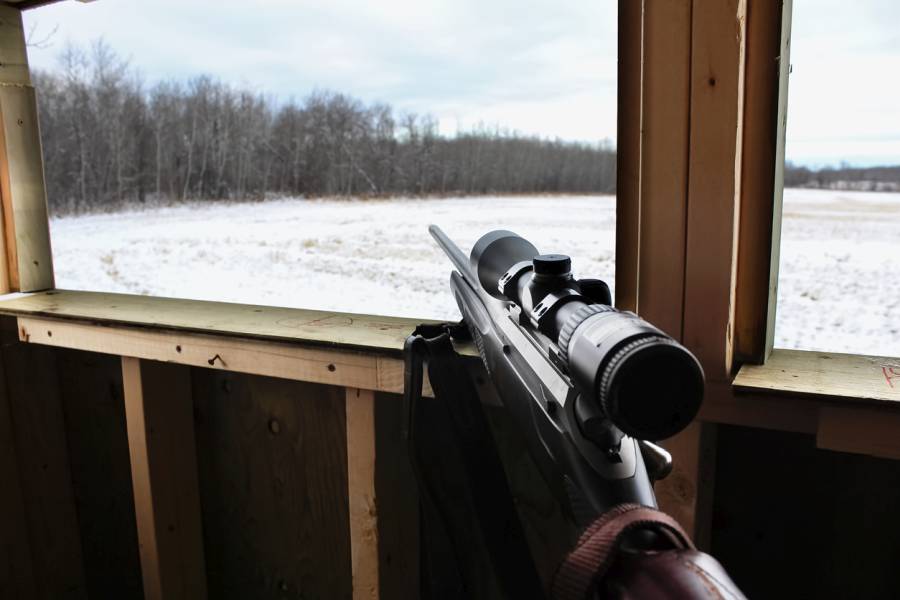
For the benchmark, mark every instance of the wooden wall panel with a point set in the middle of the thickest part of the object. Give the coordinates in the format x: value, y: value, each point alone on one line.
x: 397, y: 502
x: 93, y: 403
x: 39, y: 433
x: 273, y: 484
x: 16, y: 571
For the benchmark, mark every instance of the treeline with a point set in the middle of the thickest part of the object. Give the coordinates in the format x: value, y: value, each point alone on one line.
x: 109, y: 140
x: 868, y: 179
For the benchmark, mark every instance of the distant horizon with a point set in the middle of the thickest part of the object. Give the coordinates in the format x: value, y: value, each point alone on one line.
x: 543, y: 72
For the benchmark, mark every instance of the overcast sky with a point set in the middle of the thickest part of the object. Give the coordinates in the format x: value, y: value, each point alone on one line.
x: 546, y: 67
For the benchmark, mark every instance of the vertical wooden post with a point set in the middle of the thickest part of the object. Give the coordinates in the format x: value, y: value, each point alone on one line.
x: 360, y: 410
x: 678, y: 216
x: 762, y: 181
x: 28, y: 262
x: 159, y: 416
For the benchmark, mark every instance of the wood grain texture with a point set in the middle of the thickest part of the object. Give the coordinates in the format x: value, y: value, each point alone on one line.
x: 872, y: 431
x: 717, y: 94
x: 665, y: 145
x: 16, y: 570
x: 39, y: 431
x: 762, y: 179
x: 841, y: 377
x: 273, y: 480
x: 384, y: 335
x: 220, y: 352
x: 159, y: 414
x: 628, y: 154
x: 398, y: 502
x: 24, y: 199
x: 93, y: 404
x: 361, y: 499
x: 13, y: 54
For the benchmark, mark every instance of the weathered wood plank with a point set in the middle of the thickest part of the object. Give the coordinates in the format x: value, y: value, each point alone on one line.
x: 273, y: 481
x: 628, y: 148
x: 13, y: 54
x: 24, y: 199
x: 372, y: 333
x: 39, y: 431
x: 665, y: 148
x: 762, y: 179
x: 716, y: 123
x: 840, y: 377
x: 93, y: 404
x: 253, y: 356
x: 159, y: 414
x: 873, y: 431
x: 362, y: 502
x: 16, y: 571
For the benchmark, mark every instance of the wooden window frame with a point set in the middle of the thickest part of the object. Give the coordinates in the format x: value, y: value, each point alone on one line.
x: 702, y: 113
x: 701, y: 109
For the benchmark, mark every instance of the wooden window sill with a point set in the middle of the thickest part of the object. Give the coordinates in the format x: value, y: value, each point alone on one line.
x: 851, y: 403
x: 360, y: 351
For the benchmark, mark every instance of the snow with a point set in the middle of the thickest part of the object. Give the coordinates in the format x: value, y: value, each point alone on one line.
x: 839, y: 284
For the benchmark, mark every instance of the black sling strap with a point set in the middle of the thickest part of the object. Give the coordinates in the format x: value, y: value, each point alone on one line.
x: 473, y: 545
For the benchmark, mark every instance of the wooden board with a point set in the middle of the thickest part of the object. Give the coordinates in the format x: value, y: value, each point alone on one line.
x: 762, y: 179
x: 361, y: 499
x: 255, y: 356
x: 273, y: 482
x: 717, y: 94
x: 665, y: 145
x: 39, y: 431
x: 872, y: 431
x: 159, y: 413
x: 94, y: 408
x: 26, y: 226
x: 16, y: 571
x: 841, y: 377
x: 384, y: 335
x: 628, y: 158
x: 13, y: 54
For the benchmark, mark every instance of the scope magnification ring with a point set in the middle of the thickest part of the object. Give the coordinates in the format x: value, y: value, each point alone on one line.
x: 577, y: 318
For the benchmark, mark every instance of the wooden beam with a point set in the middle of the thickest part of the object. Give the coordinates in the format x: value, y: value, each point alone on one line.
x: 628, y: 154
x: 254, y: 356
x: 665, y: 149
x: 159, y: 417
x: 370, y: 333
x: 717, y: 100
x: 762, y: 179
x: 13, y: 52
x: 360, y: 410
x: 26, y: 229
x: 871, y: 431
x: 839, y: 377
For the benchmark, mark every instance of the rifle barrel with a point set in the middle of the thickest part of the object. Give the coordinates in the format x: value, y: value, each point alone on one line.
x: 455, y: 255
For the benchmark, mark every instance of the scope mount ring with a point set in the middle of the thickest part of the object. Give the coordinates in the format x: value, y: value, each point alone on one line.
x: 513, y: 273
x: 544, y: 309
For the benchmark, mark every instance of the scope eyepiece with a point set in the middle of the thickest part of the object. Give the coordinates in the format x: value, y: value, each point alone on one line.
x: 646, y: 383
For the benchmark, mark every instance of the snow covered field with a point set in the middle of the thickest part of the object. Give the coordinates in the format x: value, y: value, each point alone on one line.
x: 839, y: 285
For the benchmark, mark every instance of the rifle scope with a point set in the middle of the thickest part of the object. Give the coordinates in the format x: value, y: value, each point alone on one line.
x: 643, y: 381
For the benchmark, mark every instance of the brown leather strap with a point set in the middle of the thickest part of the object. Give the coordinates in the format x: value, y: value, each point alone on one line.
x: 593, y: 554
